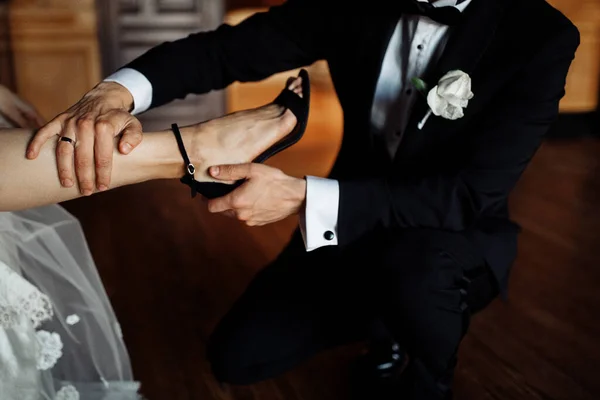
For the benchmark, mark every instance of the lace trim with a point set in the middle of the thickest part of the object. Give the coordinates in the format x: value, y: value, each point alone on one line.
x: 73, y: 319
x: 19, y: 297
x: 67, y: 393
x: 49, y: 349
x: 118, y: 330
x: 8, y: 317
x: 113, y: 390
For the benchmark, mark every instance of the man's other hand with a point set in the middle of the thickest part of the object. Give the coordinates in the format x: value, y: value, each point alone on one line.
x: 267, y: 196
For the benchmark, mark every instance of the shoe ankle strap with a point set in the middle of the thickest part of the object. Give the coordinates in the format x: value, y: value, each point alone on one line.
x: 190, y: 169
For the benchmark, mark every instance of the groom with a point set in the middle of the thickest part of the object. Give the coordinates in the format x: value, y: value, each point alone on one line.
x: 410, y: 234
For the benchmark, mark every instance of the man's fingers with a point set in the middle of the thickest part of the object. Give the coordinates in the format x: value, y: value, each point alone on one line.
x: 229, y: 213
x: 64, y: 161
x: 106, y: 128
x: 103, y: 153
x: 132, y: 136
x: 220, y: 204
x: 130, y: 127
x: 42, y: 136
x: 232, y: 172
x: 84, y: 163
x: 65, y: 154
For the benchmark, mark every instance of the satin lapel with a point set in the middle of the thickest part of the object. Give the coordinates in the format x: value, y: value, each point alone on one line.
x: 466, y: 45
x: 381, y: 30
x: 355, y: 75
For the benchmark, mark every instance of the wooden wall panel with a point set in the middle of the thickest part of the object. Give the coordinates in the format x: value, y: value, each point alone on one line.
x: 6, y: 67
x: 583, y: 81
x: 55, y: 51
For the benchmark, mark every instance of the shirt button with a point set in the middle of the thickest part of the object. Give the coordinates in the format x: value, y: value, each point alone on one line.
x: 328, y: 235
x: 420, y: 47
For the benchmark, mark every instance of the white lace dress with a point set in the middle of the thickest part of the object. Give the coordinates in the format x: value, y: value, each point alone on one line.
x: 59, y: 337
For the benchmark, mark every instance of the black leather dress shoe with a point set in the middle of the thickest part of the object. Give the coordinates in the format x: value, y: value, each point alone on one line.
x: 376, y: 375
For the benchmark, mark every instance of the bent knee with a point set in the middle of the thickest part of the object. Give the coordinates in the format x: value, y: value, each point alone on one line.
x: 422, y: 260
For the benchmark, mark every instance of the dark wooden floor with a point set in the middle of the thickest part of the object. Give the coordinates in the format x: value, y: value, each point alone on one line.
x: 172, y: 270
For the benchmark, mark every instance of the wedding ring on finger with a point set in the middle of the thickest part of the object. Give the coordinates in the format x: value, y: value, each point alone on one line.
x: 67, y: 139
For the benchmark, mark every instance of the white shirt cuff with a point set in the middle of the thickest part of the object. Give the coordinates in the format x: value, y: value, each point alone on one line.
x: 138, y: 85
x: 318, y: 221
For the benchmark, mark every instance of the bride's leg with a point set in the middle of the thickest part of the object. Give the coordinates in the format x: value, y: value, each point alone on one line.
x: 234, y: 138
x: 30, y: 183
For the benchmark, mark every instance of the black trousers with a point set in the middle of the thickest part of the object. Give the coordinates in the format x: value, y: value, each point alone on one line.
x: 422, y: 285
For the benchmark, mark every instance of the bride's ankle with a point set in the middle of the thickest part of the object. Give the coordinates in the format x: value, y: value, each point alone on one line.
x: 195, y: 139
x: 166, y: 161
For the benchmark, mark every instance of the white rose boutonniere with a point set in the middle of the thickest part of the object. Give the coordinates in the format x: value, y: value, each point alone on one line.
x: 449, y: 97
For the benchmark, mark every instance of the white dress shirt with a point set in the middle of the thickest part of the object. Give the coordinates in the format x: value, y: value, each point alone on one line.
x: 416, y: 43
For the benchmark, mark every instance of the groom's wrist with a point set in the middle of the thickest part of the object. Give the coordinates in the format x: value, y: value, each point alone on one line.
x: 115, y: 93
x: 299, y: 194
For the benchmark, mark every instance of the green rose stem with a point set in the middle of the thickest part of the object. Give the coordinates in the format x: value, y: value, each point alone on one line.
x: 421, y: 86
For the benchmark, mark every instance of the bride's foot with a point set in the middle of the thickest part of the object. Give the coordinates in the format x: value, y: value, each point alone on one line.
x: 239, y: 137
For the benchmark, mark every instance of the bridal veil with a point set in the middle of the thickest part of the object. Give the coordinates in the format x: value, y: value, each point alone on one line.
x: 59, y: 337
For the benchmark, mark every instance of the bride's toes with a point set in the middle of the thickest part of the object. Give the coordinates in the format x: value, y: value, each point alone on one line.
x: 288, y: 119
x: 289, y: 82
x: 295, y: 85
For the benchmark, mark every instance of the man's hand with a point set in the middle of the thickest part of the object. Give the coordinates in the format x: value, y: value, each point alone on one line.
x: 17, y: 111
x: 267, y: 196
x: 91, y: 124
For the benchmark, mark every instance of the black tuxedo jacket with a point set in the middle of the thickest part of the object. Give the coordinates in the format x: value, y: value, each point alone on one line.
x: 451, y: 175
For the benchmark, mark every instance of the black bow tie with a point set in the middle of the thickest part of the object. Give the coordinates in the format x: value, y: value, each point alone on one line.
x: 447, y: 15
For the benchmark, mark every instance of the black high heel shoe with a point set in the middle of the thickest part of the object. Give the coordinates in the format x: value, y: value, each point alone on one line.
x: 288, y: 99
